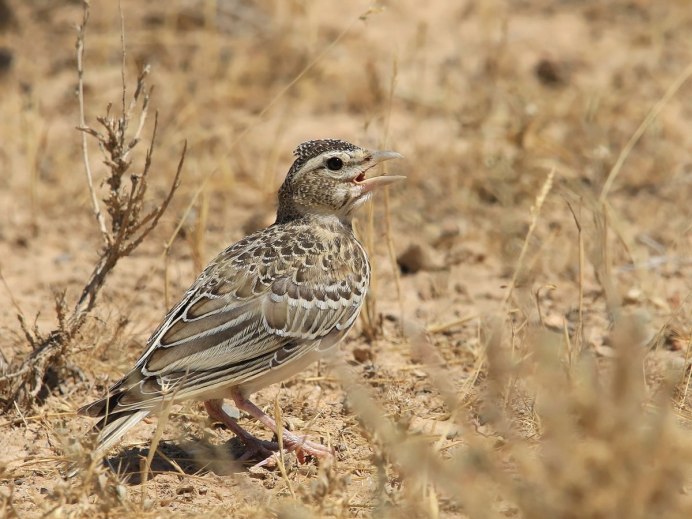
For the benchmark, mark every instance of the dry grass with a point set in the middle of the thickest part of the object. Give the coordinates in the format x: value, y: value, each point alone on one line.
x: 532, y: 359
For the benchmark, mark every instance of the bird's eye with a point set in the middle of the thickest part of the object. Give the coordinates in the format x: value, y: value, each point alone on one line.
x: 335, y: 163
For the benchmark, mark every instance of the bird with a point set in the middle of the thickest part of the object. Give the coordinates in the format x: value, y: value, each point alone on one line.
x: 264, y: 309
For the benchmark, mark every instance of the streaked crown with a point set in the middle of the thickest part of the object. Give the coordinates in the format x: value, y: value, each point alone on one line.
x: 328, y: 178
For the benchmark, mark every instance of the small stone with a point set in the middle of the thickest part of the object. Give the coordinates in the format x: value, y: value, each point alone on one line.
x: 6, y: 59
x: 633, y: 295
x: 415, y: 258
x: 185, y: 489
x: 551, y: 73
x: 419, y: 373
x: 362, y: 355
x: 230, y: 410
x: 411, y: 260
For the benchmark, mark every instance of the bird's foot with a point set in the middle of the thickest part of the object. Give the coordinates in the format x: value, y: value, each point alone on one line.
x: 258, y: 449
x: 267, y: 450
x: 304, y: 447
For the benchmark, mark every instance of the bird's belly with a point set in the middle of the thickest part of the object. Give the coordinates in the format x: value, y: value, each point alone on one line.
x: 281, y: 372
x: 264, y: 379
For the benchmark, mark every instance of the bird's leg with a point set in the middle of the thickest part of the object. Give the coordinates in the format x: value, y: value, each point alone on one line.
x: 300, y: 444
x: 255, y: 446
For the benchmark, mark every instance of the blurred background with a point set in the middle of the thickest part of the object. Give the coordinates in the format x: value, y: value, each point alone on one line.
x: 548, y: 149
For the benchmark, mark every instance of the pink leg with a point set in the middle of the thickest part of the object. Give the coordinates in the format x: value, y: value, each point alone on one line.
x: 300, y: 444
x: 255, y: 446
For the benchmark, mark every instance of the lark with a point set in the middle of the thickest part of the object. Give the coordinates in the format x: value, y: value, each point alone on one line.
x: 265, y: 309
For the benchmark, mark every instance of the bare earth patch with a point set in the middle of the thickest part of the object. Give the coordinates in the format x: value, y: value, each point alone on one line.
x: 527, y: 348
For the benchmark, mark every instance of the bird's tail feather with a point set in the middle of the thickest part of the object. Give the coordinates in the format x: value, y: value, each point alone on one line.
x: 117, y: 419
x: 112, y: 427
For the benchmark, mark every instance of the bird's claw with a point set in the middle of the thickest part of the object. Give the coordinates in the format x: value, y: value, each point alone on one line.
x: 269, y: 451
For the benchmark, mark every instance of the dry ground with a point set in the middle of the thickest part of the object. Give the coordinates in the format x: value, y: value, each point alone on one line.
x: 519, y: 368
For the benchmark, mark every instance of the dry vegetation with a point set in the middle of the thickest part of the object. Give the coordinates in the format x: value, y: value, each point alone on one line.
x: 527, y: 350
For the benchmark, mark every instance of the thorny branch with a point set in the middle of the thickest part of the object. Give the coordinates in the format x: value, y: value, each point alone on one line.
x: 128, y: 225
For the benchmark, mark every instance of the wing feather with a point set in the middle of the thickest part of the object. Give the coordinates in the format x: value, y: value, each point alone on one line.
x: 264, y: 302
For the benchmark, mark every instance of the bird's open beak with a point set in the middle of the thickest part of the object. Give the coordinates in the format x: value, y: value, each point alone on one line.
x: 369, y: 184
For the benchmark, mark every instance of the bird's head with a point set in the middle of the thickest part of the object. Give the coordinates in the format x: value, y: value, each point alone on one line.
x: 328, y: 177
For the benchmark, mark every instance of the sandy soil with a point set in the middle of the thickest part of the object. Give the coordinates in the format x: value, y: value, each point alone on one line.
x: 484, y: 100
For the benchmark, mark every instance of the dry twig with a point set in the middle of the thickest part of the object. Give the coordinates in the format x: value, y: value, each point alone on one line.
x: 129, y: 224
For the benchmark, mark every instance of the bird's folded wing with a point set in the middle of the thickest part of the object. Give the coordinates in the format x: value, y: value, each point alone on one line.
x: 236, y: 325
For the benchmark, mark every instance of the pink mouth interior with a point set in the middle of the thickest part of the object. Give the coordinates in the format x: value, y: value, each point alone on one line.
x: 360, y: 177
